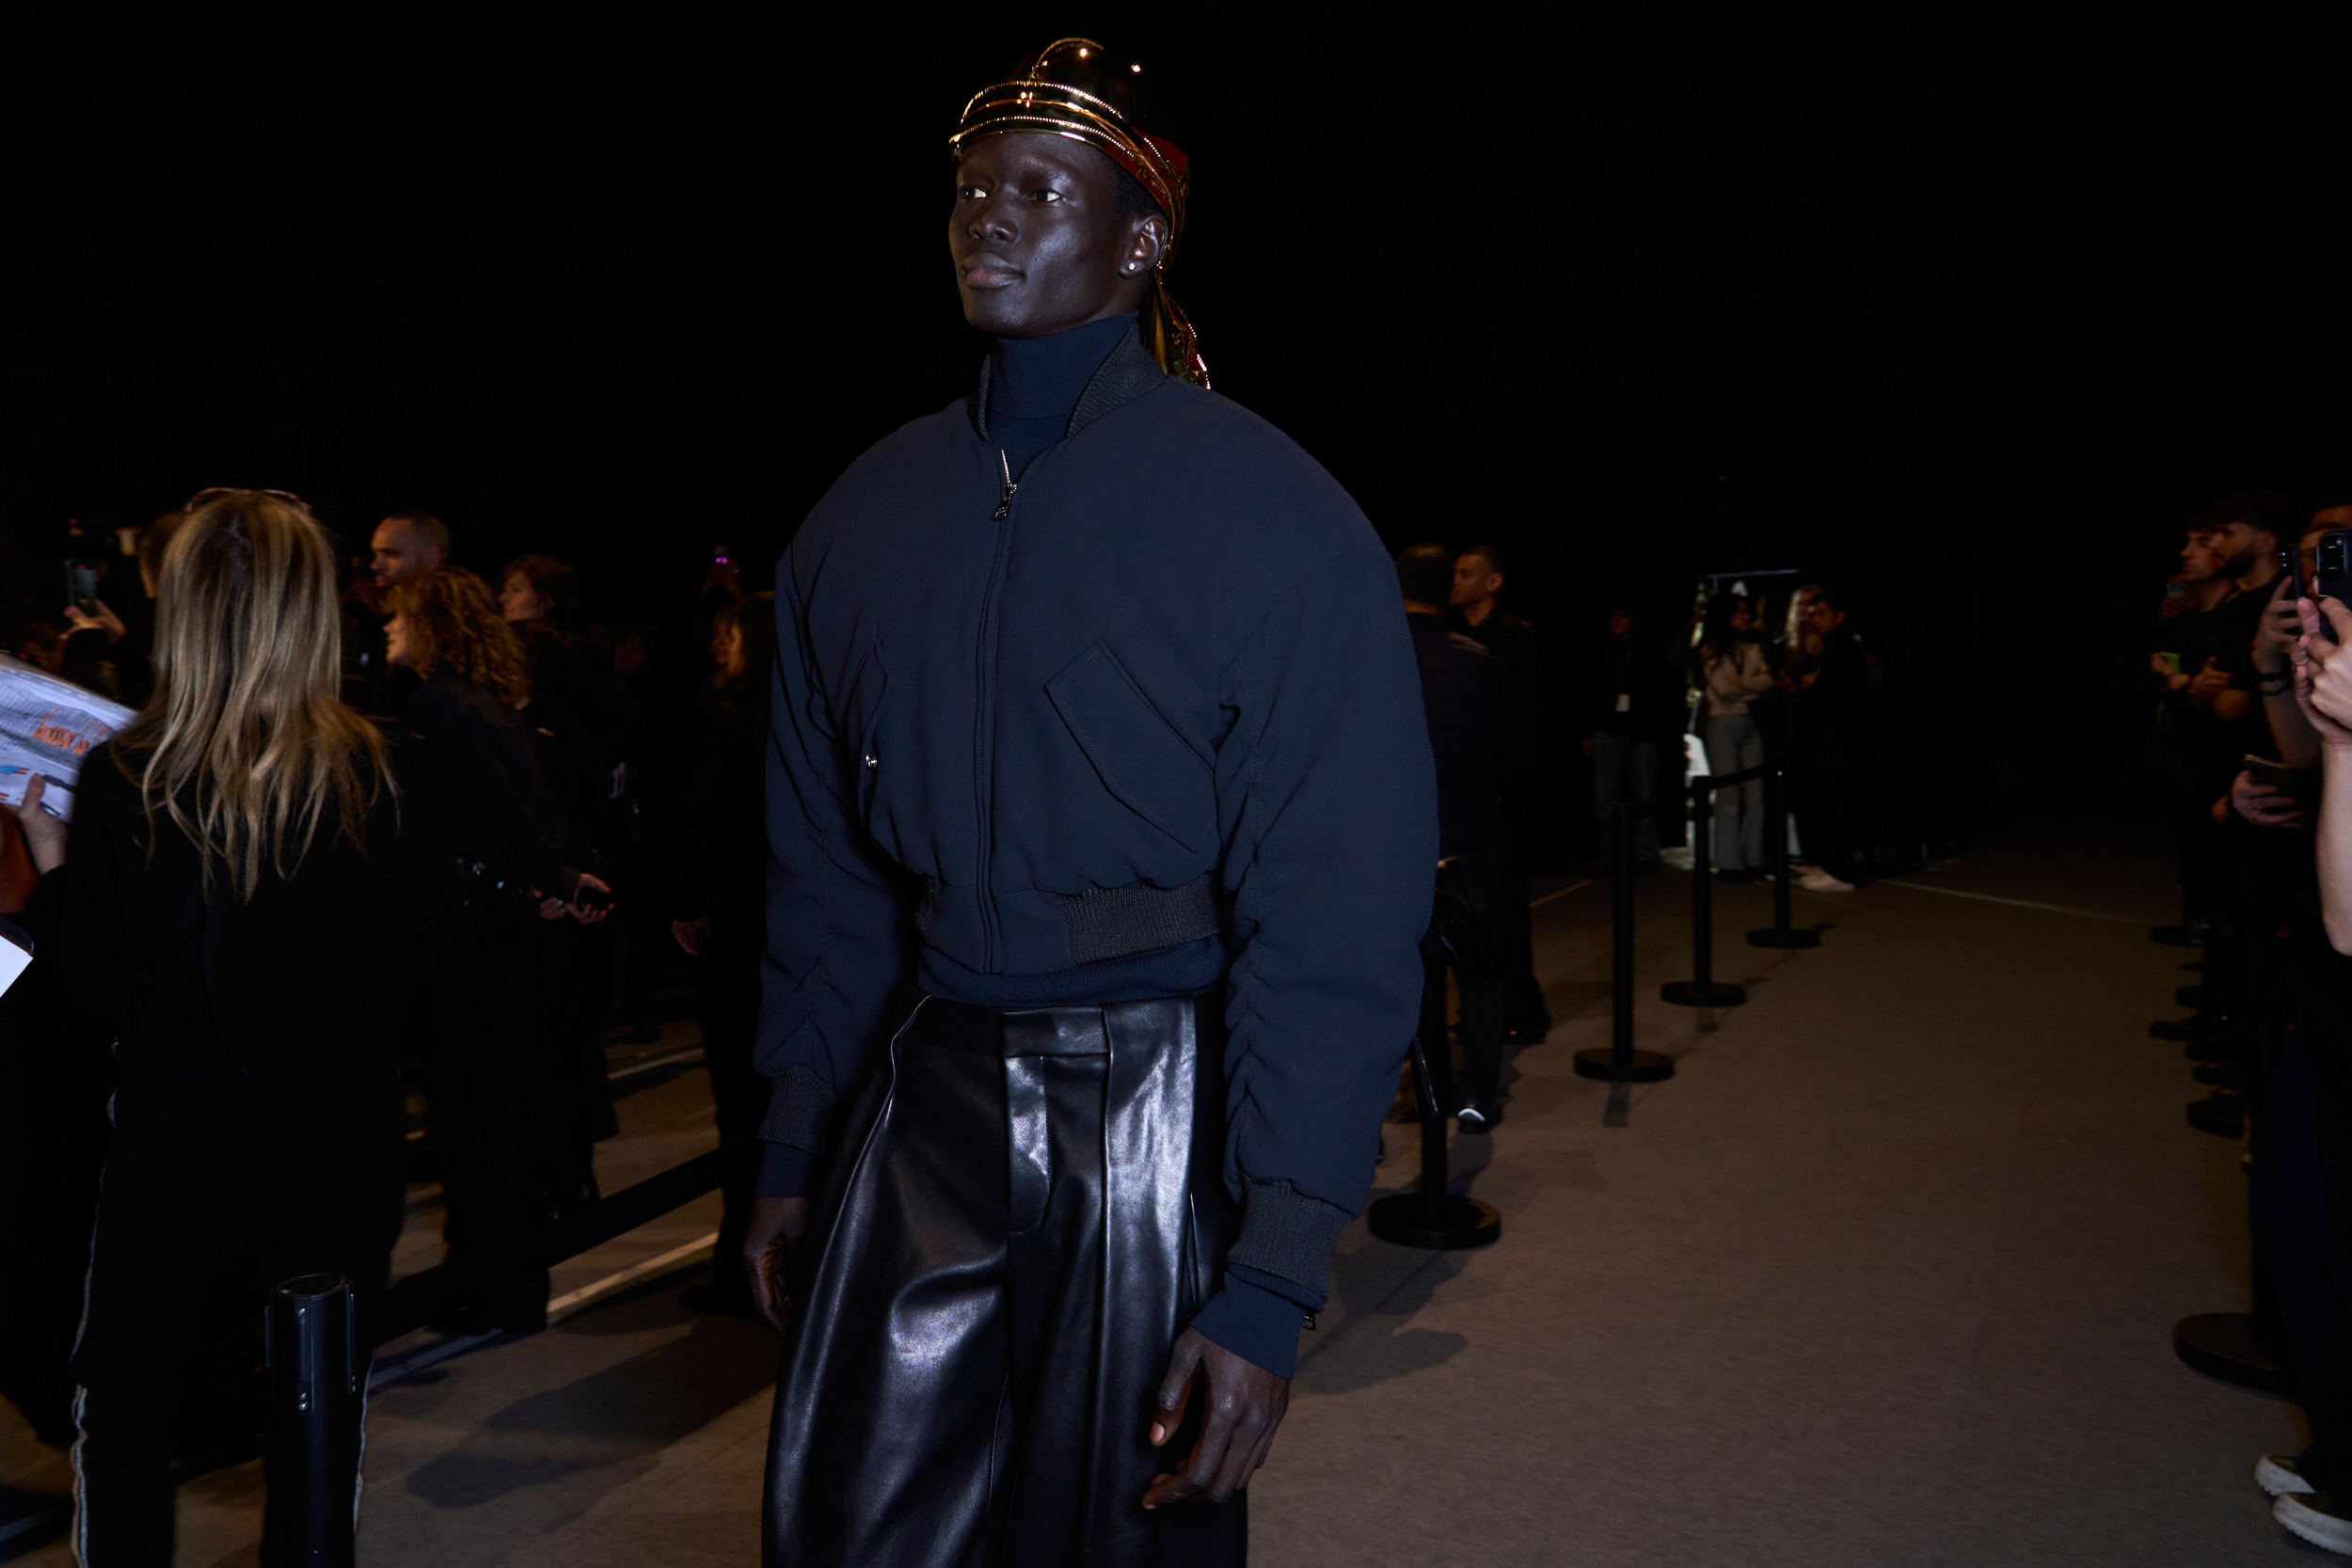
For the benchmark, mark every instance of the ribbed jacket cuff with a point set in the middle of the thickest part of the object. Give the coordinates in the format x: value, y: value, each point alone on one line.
x: 1255, y: 1324
x: 1288, y: 1235
x: 800, y: 1110
x: 784, y: 1171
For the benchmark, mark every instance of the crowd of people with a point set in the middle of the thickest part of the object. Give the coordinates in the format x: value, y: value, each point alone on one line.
x: 380, y: 825
x: 2253, y: 737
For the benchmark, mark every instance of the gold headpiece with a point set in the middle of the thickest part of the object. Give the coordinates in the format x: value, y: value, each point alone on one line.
x: 1076, y: 88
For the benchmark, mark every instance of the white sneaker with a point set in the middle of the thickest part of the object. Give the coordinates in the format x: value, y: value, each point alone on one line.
x: 2275, y: 1473
x: 2312, y: 1515
x: 1819, y: 880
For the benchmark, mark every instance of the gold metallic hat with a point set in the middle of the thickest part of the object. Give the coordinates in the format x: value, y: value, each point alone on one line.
x: 1074, y: 88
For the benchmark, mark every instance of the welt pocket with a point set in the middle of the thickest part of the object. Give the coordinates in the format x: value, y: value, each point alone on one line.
x: 1139, y: 756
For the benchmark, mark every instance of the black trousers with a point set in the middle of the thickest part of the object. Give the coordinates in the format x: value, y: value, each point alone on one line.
x: 494, y: 1113
x: 1025, y: 1210
x: 726, y: 1006
x: 2301, y: 1189
x: 1483, y: 990
x: 298, y: 1172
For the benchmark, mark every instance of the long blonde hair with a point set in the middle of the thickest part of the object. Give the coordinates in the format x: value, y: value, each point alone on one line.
x: 244, y: 742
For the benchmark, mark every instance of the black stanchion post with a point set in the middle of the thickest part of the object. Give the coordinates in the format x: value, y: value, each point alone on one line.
x: 1621, y: 1063
x: 1432, y: 1216
x: 1781, y: 933
x: 1701, y: 990
x: 316, y: 1403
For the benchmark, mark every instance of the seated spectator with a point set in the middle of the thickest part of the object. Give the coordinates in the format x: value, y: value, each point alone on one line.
x: 251, y: 890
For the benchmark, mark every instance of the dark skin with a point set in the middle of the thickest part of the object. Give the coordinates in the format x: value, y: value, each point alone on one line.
x: 1040, y: 247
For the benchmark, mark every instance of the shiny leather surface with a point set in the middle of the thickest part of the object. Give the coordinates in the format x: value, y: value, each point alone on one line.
x: 1025, y: 1211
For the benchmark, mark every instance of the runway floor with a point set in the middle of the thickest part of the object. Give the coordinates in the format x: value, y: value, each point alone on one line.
x: 1883, y: 1276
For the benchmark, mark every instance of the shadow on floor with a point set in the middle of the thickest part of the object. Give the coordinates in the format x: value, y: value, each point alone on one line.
x: 625, y: 1413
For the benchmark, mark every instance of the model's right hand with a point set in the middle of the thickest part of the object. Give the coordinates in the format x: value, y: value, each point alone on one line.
x: 777, y: 1225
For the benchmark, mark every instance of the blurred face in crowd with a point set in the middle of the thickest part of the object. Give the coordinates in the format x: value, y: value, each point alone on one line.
x: 1475, y: 581
x: 2200, y: 561
x: 396, y: 640
x: 519, y: 601
x: 1742, y: 616
x: 726, y: 650
x: 1620, y: 625
x: 1820, y: 618
x: 2243, y: 546
x: 399, y: 554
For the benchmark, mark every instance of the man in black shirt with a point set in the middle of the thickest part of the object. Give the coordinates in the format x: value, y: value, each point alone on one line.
x: 1461, y: 691
x: 1478, y: 581
x: 1637, y: 717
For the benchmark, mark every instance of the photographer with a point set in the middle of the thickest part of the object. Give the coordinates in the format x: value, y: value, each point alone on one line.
x: 251, y: 888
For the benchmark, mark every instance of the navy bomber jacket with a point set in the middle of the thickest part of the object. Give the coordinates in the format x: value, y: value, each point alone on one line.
x: 1168, y: 654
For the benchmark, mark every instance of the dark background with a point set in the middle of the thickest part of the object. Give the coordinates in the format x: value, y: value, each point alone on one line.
x: 1965, y: 320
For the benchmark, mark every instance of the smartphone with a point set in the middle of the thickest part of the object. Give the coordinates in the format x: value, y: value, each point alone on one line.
x: 2300, y: 782
x: 2171, y: 660
x: 592, y: 898
x: 81, y: 586
x: 2332, y: 573
x: 2291, y: 563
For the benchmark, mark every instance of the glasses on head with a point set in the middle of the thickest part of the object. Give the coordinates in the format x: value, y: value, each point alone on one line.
x: 202, y: 496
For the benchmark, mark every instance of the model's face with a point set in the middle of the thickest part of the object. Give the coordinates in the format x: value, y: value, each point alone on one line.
x: 519, y: 601
x: 1475, y: 580
x: 1038, y: 242
x: 399, y: 554
x: 2200, y: 561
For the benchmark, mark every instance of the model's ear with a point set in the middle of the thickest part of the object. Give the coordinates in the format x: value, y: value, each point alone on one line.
x: 1147, y: 243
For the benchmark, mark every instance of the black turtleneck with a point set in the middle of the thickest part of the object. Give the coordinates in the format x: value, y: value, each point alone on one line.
x: 1034, y: 385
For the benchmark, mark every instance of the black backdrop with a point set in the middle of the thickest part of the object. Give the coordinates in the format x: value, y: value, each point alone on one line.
x: 1965, y: 320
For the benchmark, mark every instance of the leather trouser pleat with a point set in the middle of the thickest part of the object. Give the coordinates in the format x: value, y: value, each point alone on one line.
x: 1025, y: 1210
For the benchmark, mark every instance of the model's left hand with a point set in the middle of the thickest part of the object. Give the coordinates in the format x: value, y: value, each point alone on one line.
x: 1246, y: 1405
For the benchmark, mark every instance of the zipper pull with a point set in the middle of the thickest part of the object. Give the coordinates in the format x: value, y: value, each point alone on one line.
x: 1004, y: 505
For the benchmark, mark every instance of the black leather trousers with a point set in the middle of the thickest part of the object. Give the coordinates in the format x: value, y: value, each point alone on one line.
x: 1025, y: 1210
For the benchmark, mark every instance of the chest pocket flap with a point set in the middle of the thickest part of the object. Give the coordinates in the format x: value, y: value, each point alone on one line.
x: 1138, y: 754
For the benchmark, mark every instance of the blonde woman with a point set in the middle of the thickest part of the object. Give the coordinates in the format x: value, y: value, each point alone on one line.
x: 247, y: 894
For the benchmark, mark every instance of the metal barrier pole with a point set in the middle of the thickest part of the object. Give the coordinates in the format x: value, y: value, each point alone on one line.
x: 1701, y: 990
x: 1432, y: 1216
x: 1782, y: 933
x: 1621, y: 1063
x: 316, y: 1400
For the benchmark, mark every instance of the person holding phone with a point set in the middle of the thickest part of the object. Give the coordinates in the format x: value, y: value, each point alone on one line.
x: 253, y: 886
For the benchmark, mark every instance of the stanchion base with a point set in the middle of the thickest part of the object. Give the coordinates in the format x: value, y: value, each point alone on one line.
x: 1689, y: 993
x: 1648, y: 1066
x: 2222, y: 1345
x: 1403, y: 1218
x: 1773, y: 936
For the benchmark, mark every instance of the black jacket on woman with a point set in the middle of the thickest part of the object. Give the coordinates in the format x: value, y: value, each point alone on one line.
x: 500, y: 812
x: 315, y: 970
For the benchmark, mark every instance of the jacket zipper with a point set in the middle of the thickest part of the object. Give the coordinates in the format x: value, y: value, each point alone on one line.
x: 984, y: 725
